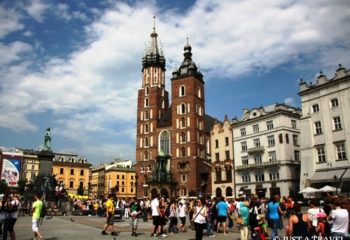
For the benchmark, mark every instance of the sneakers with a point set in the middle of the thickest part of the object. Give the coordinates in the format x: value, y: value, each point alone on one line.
x: 104, y: 233
x: 163, y: 235
x: 212, y: 235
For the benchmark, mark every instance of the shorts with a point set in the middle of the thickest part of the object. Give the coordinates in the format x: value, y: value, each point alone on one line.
x: 183, y: 220
x: 35, y: 225
x: 222, y: 219
x: 134, y: 222
x: 110, y: 220
x: 156, y: 220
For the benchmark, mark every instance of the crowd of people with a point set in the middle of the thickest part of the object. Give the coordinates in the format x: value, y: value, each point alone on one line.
x: 256, y: 218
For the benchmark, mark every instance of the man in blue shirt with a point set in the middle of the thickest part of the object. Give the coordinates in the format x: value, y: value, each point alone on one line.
x: 222, y: 208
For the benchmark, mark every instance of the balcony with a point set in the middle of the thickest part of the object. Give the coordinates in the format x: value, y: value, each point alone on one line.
x: 257, y: 165
x: 254, y: 150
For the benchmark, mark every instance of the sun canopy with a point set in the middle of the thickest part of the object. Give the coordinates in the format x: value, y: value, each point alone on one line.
x: 309, y: 190
x: 329, y: 189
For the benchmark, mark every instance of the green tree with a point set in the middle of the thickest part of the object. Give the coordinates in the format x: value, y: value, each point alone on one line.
x: 3, y: 186
x: 80, y: 190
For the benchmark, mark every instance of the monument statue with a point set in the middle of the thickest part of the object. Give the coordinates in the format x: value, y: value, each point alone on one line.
x: 47, y: 141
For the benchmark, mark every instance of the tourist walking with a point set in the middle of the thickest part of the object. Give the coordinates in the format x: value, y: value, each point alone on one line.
x: 12, y: 209
x: 298, y: 223
x: 222, y: 209
x: 172, y: 217
x: 244, y: 215
x: 199, y: 219
x: 273, y: 212
x: 110, y: 216
x: 182, y: 216
x: 313, y: 211
x: 36, y: 216
x: 134, y: 212
x: 155, y: 216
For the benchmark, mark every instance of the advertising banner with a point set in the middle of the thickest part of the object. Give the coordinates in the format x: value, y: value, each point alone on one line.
x: 11, y: 169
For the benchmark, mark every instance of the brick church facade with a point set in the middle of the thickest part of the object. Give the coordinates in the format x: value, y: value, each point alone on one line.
x: 172, y: 143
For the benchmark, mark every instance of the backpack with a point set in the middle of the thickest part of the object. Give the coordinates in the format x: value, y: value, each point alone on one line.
x: 232, y: 208
x: 43, y: 211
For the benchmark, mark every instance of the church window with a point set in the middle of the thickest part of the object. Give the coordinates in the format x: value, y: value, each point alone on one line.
x: 199, y: 93
x: 182, y: 91
x: 146, y: 115
x: 183, y: 108
x: 183, y: 122
x: 146, y: 142
x: 146, y: 102
x: 147, y: 90
x: 165, y: 142
x: 183, y: 152
x: 146, y: 128
x: 183, y: 137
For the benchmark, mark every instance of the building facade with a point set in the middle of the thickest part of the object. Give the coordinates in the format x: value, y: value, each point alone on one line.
x: 121, y: 179
x: 30, y: 165
x: 222, y: 160
x: 325, y: 131
x: 97, y: 180
x: 72, y: 172
x: 266, y: 151
x: 171, y: 140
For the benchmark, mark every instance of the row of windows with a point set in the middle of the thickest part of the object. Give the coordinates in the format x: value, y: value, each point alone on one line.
x: 337, y: 125
x: 228, y: 171
x: 271, y: 141
x: 227, y: 141
x: 227, y: 155
x: 271, y: 155
x: 72, y: 159
x: 339, y: 149
x: 146, y: 102
x: 260, y: 177
x: 333, y: 103
x: 182, y: 92
x: 269, y: 126
x: 72, y: 171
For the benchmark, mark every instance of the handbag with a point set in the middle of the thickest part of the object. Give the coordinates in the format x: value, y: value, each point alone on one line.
x: 240, y: 221
x: 197, y: 214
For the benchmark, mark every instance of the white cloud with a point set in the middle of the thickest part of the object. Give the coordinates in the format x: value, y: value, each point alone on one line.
x: 93, y: 91
x: 62, y: 10
x: 36, y: 9
x: 290, y: 101
x: 13, y: 52
x: 9, y: 19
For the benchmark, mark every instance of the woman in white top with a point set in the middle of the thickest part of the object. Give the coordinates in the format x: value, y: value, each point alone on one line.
x: 182, y: 216
x: 199, y: 218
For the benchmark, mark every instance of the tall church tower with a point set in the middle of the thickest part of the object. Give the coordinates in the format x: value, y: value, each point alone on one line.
x: 152, y: 104
x: 188, y: 128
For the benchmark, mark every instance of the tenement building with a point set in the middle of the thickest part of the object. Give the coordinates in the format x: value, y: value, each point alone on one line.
x: 172, y: 139
x: 71, y: 171
x: 325, y: 131
x: 266, y: 151
x: 222, y: 159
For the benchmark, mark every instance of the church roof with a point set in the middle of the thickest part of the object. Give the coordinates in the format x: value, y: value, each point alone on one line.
x: 209, y: 122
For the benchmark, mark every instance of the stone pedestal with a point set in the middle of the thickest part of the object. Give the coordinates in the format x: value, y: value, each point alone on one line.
x: 45, y: 162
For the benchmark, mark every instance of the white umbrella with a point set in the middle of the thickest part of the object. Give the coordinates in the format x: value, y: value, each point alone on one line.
x: 309, y: 190
x: 329, y: 189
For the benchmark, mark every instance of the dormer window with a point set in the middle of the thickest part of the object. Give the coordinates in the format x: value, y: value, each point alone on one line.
x: 61, y: 159
x: 72, y: 160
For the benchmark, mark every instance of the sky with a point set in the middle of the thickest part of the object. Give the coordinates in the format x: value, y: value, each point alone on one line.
x: 75, y: 66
